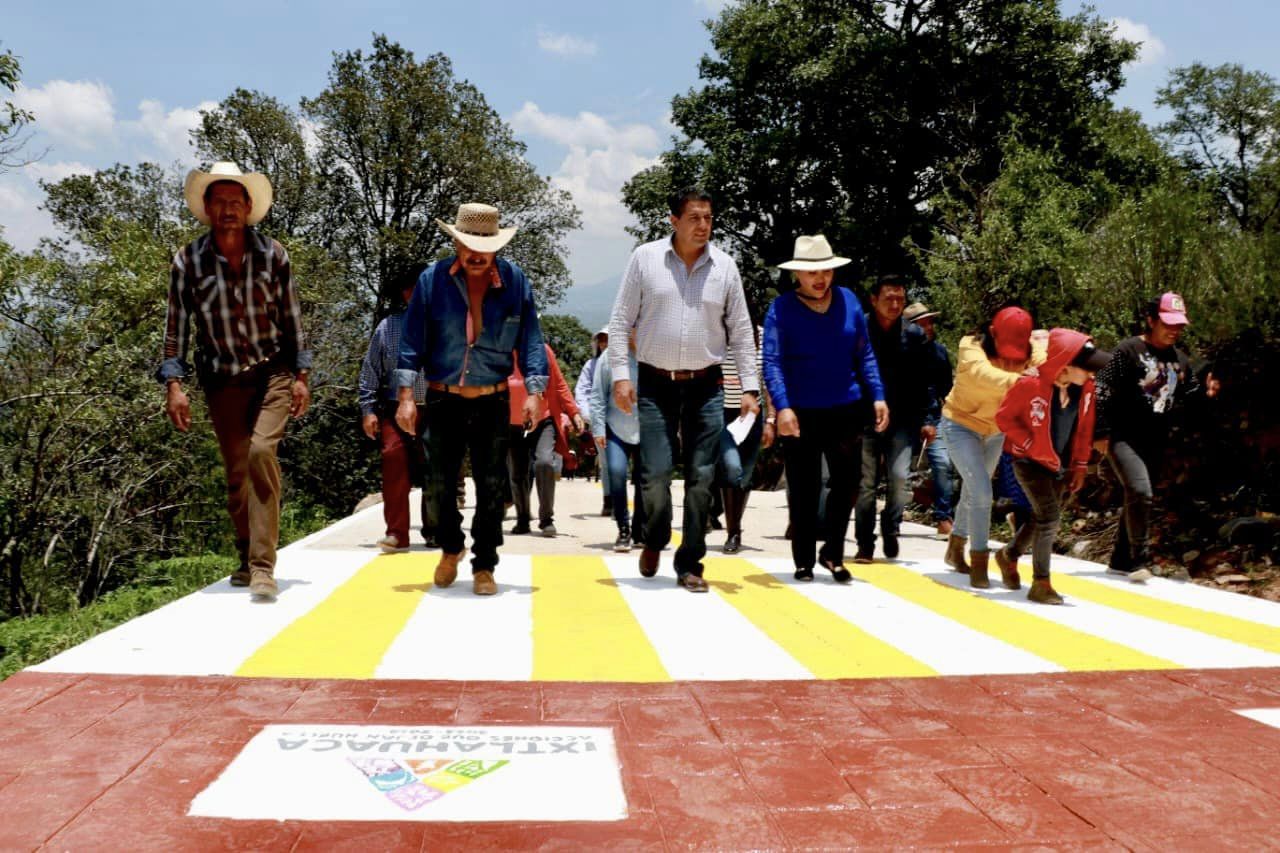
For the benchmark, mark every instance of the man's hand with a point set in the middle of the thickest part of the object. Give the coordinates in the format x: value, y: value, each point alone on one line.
x: 579, y: 425
x: 928, y: 433
x: 766, y: 438
x: 1102, y: 445
x: 600, y: 441
x: 1077, y: 479
x: 407, y: 414
x: 531, y: 410
x: 1212, y: 385
x: 788, y: 424
x: 370, y: 424
x: 882, y: 415
x: 177, y: 406
x: 750, y: 404
x: 624, y: 395
x: 301, y: 398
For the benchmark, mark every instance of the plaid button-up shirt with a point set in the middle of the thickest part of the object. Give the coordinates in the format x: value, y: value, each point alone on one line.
x: 240, y: 322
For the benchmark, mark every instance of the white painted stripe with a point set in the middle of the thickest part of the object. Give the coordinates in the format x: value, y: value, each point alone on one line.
x: 948, y: 646
x: 213, y: 631
x: 1267, y: 716
x: 457, y: 635
x: 699, y: 637
x: 1150, y: 636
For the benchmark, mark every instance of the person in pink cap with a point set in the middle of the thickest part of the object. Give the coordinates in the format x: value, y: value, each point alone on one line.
x: 1139, y: 393
x: 987, y: 366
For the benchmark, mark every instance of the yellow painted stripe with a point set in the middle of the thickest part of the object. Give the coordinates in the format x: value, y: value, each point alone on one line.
x: 1237, y: 630
x: 825, y: 644
x: 1067, y: 647
x: 346, y: 635
x: 583, y: 629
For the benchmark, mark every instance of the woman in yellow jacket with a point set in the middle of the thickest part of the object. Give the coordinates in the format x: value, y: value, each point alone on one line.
x: 987, y: 367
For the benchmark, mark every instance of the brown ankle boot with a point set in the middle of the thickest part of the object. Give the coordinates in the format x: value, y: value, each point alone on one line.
x: 1042, y: 592
x: 978, y: 569
x: 1008, y: 563
x: 955, y: 553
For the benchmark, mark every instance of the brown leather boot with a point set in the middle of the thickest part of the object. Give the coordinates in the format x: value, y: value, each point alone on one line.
x: 1042, y: 592
x: 955, y: 553
x: 1008, y: 563
x: 447, y: 569
x: 978, y: 569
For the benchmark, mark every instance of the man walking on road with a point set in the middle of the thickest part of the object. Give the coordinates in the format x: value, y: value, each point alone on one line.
x: 684, y: 297
x: 251, y: 357
x: 471, y: 315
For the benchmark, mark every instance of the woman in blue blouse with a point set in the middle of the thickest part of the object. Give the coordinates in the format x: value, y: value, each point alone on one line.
x: 820, y: 371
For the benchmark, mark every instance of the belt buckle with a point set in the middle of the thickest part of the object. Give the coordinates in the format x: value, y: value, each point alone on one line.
x: 673, y: 375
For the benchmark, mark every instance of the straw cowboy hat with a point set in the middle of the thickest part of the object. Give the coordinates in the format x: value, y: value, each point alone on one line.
x: 257, y: 185
x: 813, y: 253
x: 918, y: 311
x: 476, y: 227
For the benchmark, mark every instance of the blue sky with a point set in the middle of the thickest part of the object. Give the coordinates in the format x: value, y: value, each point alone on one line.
x: 587, y: 85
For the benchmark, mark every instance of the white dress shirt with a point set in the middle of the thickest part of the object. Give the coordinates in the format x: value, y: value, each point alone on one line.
x: 685, y: 319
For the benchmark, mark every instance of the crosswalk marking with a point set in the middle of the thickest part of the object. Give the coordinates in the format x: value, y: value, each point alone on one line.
x: 1069, y: 648
x: 346, y: 635
x: 825, y: 644
x: 583, y: 629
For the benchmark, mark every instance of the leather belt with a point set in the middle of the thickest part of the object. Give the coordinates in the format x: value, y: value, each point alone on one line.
x: 712, y: 372
x: 469, y: 391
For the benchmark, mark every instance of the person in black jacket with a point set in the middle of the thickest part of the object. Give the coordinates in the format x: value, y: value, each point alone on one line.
x: 1139, y: 393
x: 904, y: 356
x: 941, y: 375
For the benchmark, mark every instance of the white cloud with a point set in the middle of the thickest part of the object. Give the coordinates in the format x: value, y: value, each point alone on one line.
x: 169, y: 132
x: 601, y: 157
x: 22, y: 222
x: 78, y: 112
x: 54, y: 172
x: 1150, y: 49
x: 564, y: 44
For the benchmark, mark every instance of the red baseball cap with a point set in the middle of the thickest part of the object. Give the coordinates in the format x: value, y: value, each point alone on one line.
x: 1011, y: 328
x: 1173, y: 311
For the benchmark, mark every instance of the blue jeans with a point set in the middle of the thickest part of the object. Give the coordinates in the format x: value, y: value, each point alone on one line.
x: 894, y: 446
x: 692, y: 411
x: 737, y: 462
x: 975, y: 457
x: 617, y: 453
x: 944, y: 485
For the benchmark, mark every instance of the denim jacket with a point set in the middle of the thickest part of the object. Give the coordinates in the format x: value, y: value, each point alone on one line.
x: 435, y: 330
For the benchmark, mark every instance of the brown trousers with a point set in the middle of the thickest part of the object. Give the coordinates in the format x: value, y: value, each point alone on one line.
x: 249, y: 414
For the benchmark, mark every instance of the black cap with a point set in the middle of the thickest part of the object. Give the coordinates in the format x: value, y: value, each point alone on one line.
x: 1091, y: 358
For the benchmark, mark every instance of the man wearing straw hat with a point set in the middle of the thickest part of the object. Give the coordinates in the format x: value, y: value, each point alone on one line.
x: 251, y: 357
x: 470, y: 317
x: 684, y: 297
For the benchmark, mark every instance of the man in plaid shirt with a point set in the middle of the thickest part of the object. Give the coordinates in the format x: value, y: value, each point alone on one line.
x: 251, y: 358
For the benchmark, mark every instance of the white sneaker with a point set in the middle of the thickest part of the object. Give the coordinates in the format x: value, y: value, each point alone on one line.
x: 389, y: 545
x: 1140, y: 576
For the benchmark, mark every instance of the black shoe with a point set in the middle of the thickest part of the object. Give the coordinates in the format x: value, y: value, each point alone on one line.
x: 521, y: 528
x: 713, y: 523
x: 733, y: 544
x: 838, y: 572
x: 606, y: 508
x: 623, y: 543
x: 430, y: 541
x: 890, y: 545
x: 864, y: 557
x: 804, y: 574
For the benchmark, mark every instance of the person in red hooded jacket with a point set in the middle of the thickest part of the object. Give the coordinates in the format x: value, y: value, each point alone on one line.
x: 1047, y: 420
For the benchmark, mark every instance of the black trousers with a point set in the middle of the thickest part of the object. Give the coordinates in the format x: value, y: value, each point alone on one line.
x: 1045, y: 490
x: 834, y: 434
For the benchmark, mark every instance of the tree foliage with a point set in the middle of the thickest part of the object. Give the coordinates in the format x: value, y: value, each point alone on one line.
x: 12, y: 119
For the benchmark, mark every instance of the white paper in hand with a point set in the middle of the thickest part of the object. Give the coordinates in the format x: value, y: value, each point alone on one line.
x: 739, y: 427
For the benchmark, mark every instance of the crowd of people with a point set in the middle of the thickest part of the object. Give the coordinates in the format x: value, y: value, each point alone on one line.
x: 851, y: 391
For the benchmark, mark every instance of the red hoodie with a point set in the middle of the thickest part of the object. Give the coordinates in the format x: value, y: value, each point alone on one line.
x: 1025, y: 415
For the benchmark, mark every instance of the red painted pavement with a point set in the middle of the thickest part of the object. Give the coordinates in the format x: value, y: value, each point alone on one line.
x: 1141, y: 761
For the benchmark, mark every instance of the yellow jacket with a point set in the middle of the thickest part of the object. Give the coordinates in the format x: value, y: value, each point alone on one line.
x: 980, y: 387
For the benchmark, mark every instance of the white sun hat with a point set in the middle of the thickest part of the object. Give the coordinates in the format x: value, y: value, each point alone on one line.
x: 813, y: 253
x: 476, y: 227
x: 256, y: 184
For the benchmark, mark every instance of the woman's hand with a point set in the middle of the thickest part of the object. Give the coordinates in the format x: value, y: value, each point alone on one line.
x: 788, y: 424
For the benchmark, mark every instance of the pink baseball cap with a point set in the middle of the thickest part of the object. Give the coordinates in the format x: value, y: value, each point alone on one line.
x: 1173, y: 311
x: 1011, y: 327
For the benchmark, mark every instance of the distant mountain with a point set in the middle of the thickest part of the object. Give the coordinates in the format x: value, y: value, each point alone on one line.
x: 590, y: 303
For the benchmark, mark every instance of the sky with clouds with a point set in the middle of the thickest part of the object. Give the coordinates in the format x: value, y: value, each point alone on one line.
x: 586, y: 85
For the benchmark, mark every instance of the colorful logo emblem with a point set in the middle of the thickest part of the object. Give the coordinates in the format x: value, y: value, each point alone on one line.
x: 416, y: 782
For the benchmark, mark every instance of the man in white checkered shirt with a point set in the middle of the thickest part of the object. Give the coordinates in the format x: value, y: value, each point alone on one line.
x: 684, y: 297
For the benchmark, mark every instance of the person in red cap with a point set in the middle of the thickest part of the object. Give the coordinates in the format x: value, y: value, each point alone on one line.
x: 1047, y: 421
x: 987, y: 366
x: 1139, y: 391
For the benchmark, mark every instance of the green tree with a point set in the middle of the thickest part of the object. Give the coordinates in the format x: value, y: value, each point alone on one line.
x: 571, y: 342
x: 403, y: 142
x: 1226, y: 124
x: 847, y: 117
x: 12, y: 119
